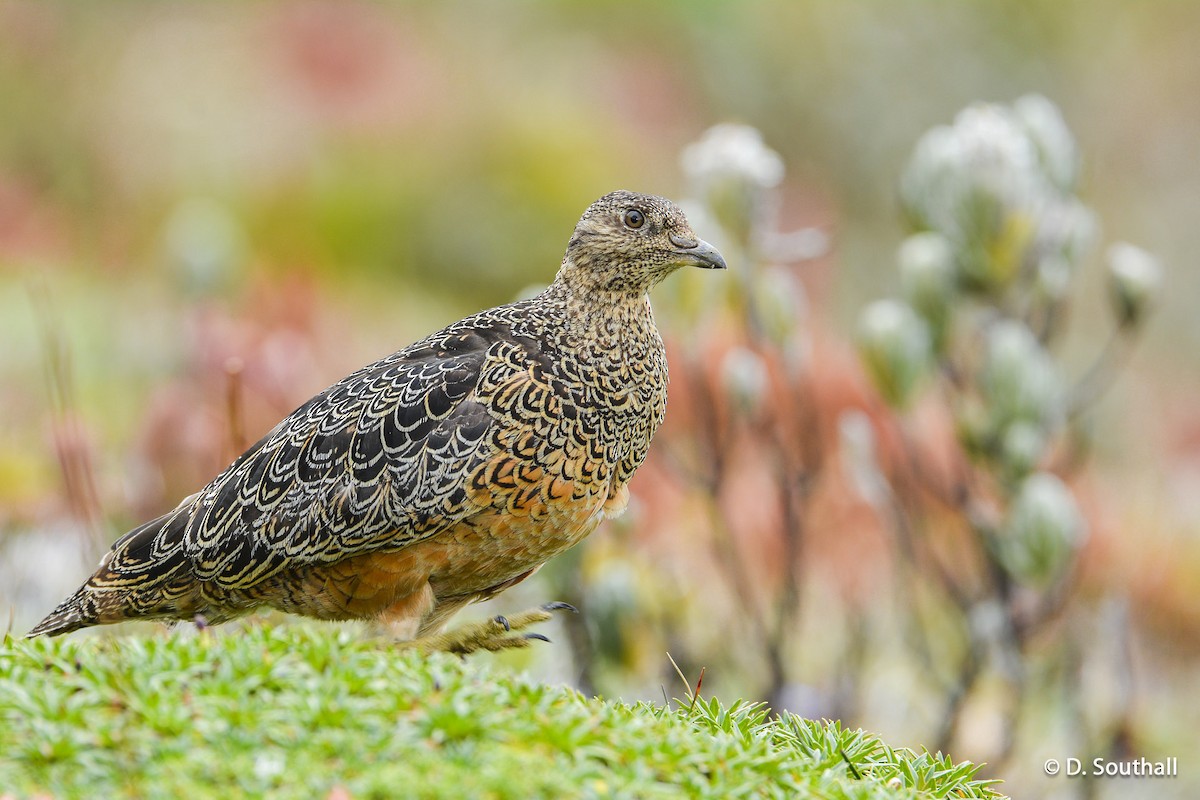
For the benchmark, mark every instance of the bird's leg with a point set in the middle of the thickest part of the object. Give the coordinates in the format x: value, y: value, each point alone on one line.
x: 495, y: 634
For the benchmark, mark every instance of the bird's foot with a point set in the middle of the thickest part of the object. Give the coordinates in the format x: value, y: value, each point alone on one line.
x: 495, y: 634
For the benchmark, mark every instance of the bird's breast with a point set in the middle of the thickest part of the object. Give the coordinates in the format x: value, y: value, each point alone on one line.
x: 572, y: 423
x: 498, y: 545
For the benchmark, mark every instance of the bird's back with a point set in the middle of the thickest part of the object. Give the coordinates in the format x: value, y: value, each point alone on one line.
x: 512, y: 424
x: 441, y: 474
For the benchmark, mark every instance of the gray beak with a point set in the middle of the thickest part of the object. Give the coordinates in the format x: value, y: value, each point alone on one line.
x: 697, y: 253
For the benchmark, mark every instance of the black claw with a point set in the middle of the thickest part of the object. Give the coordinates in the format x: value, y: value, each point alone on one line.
x: 537, y: 636
x: 502, y: 620
x: 557, y: 606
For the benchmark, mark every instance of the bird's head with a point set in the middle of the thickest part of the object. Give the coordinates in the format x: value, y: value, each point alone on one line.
x: 629, y: 242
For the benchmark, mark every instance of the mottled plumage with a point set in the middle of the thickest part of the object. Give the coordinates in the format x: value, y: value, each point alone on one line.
x: 440, y: 475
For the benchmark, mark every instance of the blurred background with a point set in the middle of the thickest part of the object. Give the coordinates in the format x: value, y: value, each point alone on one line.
x: 210, y: 212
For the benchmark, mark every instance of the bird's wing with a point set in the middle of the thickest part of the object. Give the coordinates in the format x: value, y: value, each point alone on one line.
x: 375, y: 462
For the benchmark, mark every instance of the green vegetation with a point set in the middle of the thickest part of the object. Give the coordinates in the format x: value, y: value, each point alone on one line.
x: 309, y: 711
x: 210, y: 212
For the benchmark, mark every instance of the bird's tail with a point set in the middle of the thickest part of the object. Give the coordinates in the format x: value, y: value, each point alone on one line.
x: 144, y: 575
x: 77, y: 611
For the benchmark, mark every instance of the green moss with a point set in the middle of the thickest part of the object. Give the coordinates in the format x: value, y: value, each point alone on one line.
x: 297, y: 711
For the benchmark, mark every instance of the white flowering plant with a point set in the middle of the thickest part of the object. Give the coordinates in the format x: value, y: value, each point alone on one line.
x: 999, y: 234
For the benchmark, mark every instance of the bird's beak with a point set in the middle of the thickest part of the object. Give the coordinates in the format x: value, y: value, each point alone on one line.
x: 697, y: 253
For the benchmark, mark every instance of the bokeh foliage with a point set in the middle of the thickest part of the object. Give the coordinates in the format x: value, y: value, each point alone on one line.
x: 209, y: 212
x: 309, y: 712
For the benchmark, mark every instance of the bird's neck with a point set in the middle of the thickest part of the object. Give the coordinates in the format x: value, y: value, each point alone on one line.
x: 605, y: 316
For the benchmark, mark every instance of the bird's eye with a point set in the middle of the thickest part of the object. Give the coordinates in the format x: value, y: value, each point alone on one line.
x: 634, y: 218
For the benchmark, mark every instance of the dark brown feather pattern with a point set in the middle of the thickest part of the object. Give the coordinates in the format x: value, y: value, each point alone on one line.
x: 442, y: 473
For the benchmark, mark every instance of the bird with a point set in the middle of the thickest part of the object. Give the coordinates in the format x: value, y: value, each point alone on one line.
x: 440, y: 475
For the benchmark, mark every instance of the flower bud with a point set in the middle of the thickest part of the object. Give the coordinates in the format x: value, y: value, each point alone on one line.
x: 1044, y: 527
x: 745, y: 378
x: 1134, y: 279
x: 995, y: 184
x: 780, y: 304
x: 1022, y: 447
x: 205, y: 243
x: 1067, y: 228
x: 1056, y: 148
x: 1018, y: 380
x: 896, y: 348
x: 856, y: 449
x: 972, y: 427
x: 804, y: 244
x: 730, y: 170
x: 1052, y: 278
x: 964, y: 180
x: 927, y: 279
